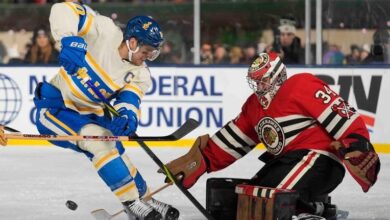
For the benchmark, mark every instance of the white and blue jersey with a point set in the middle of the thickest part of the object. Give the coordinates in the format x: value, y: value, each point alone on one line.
x: 112, y: 75
x: 67, y: 106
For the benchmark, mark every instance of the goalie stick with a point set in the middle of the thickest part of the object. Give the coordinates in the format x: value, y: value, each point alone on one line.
x: 183, y: 130
x: 152, y: 155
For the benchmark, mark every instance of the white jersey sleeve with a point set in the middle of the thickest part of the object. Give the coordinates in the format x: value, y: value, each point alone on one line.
x: 107, y: 70
x: 63, y: 21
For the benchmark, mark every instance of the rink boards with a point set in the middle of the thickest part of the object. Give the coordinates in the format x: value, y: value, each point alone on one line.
x: 211, y: 95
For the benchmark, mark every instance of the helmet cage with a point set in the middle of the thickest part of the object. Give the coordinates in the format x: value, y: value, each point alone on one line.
x: 265, y: 73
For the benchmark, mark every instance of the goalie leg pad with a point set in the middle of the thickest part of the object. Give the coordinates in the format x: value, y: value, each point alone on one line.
x: 221, y: 199
x: 261, y: 203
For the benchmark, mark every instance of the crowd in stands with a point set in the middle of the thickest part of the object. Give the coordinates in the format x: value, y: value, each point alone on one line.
x: 41, y: 49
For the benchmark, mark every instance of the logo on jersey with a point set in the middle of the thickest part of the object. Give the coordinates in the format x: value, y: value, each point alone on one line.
x: 343, y: 109
x: 128, y: 77
x: 271, y: 134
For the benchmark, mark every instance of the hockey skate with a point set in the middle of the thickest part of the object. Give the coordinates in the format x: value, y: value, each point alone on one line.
x: 140, y: 210
x: 167, y: 211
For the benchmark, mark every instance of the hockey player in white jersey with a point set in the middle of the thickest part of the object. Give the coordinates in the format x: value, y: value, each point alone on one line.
x: 94, y: 49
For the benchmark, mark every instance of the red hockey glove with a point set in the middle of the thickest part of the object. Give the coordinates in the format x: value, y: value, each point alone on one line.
x: 190, y: 166
x: 361, y: 160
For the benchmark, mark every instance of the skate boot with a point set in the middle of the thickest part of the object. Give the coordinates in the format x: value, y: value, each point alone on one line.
x: 140, y: 210
x: 167, y: 211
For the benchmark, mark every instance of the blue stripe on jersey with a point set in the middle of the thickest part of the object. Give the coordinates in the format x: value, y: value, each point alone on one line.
x: 128, y: 97
x: 82, y: 18
x: 95, y: 78
x: 84, y: 89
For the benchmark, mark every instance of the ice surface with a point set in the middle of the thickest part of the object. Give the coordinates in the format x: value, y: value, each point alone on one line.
x: 35, y: 183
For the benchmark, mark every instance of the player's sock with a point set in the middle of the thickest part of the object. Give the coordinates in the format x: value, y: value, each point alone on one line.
x: 168, y: 212
x: 113, y: 170
x: 139, y: 209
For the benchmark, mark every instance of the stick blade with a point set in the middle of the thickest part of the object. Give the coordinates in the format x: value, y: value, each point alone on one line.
x: 101, y: 214
x: 6, y: 128
x: 186, y: 128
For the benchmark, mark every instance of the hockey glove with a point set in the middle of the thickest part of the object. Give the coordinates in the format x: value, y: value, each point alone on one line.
x: 190, y: 166
x: 72, y: 54
x: 360, y: 158
x: 125, y: 124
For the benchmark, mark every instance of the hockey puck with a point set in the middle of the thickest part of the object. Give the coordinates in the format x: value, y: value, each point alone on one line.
x: 71, y: 205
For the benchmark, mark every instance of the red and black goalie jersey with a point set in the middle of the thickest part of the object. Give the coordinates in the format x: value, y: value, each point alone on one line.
x: 304, y: 114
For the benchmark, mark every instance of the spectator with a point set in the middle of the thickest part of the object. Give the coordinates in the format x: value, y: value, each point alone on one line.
x: 206, y: 55
x: 381, y: 40
x: 286, y: 44
x: 42, y: 49
x: 249, y: 54
x: 167, y: 55
x: 365, y: 52
x: 235, y: 55
x: 376, y: 55
x: 3, y: 52
x: 333, y: 55
x: 354, y: 57
x: 14, y: 57
x: 220, y: 55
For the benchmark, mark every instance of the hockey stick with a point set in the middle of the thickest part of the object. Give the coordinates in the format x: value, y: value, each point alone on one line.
x: 154, y: 157
x: 183, y: 130
x: 102, y: 214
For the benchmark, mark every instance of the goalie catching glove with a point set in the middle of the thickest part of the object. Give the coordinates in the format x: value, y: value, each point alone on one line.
x: 190, y: 166
x: 360, y: 158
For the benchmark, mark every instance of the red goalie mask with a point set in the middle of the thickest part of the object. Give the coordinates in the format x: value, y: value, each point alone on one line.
x: 266, y: 73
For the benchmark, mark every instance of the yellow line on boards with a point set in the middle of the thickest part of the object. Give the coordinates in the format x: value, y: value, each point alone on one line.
x: 182, y: 143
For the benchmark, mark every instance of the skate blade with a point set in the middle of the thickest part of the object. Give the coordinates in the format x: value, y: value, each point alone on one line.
x: 101, y: 214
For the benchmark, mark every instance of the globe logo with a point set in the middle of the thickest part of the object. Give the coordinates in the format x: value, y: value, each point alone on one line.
x: 10, y: 99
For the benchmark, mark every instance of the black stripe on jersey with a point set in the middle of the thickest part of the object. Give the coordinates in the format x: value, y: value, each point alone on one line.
x: 328, y: 119
x: 293, y: 121
x: 297, y: 131
x: 238, y: 138
x: 338, y: 126
x: 227, y: 143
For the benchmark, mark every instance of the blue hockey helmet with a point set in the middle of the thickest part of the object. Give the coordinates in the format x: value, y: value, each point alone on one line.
x: 147, y: 32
